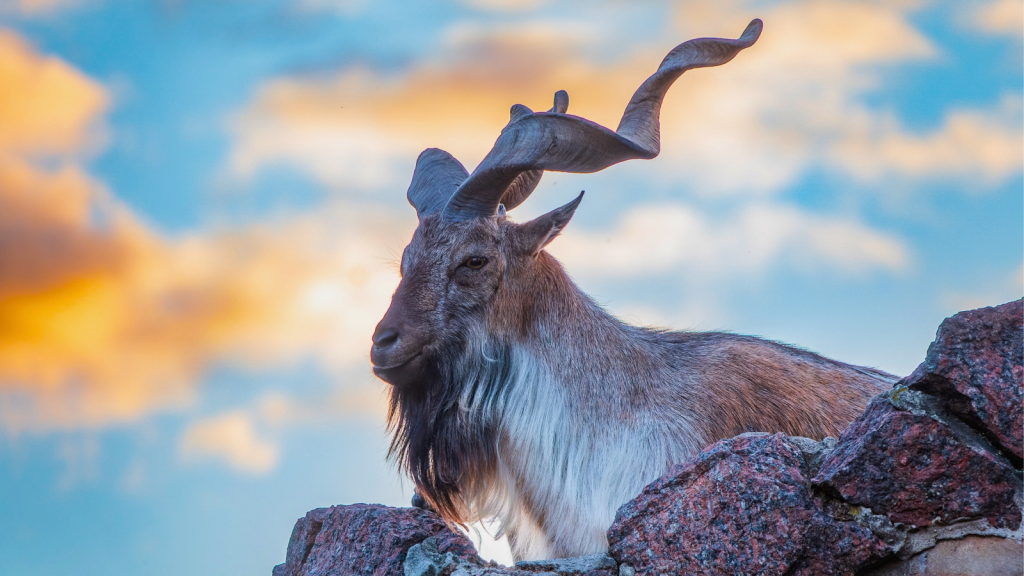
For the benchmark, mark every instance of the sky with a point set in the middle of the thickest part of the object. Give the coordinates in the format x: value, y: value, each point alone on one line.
x: 202, y: 204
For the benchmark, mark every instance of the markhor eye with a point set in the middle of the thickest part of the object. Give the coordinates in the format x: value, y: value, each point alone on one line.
x: 475, y: 262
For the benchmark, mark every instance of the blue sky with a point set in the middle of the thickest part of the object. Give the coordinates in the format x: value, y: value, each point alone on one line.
x: 201, y: 203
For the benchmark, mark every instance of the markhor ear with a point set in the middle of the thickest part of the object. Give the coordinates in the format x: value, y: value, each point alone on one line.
x: 540, y: 231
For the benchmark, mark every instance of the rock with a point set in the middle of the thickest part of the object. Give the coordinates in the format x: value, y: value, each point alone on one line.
x: 971, y: 556
x: 374, y: 540
x: 742, y: 506
x: 975, y: 365
x: 424, y: 559
x: 366, y: 539
x: 301, y: 542
x: 814, y: 452
x: 901, y: 458
x: 593, y: 565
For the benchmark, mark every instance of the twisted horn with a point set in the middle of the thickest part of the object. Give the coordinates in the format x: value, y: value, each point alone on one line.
x: 533, y: 142
x: 524, y: 184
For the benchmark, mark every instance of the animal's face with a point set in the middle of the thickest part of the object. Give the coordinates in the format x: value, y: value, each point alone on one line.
x: 452, y: 273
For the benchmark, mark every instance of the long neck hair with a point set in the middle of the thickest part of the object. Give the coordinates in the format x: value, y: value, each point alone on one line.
x: 445, y: 427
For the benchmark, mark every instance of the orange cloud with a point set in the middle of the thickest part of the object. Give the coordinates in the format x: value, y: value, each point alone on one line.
x: 46, y: 106
x: 104, y: 320
x: 359, y: 128
x: 104, y: 324
x: 792, y: 102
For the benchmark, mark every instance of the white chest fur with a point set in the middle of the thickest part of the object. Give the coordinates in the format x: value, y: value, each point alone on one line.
x: 564, y: 470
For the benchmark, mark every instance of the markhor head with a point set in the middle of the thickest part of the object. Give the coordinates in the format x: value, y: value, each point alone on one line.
x: 465, y: 248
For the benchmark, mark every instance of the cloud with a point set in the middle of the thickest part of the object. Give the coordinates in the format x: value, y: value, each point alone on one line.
x: 804, y: 106
x: 232, y: 438
x: 985, y: 147
x: 104, y: 320
x: 34, y: 7
x: 105, y: 324
x: 1000, y: 17
x: 46, y: 106
x: 792, y: 104
x: 247, y: 438
x: 668, y: 238
x: 359, y: 129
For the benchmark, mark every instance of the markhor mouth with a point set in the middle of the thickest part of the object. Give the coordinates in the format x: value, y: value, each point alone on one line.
x: 383, y: 372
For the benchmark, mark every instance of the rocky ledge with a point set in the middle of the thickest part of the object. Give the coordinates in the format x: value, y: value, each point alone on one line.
x: 927, y: 481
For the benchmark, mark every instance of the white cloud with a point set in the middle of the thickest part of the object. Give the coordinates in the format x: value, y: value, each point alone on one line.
x: 659, y: 239
x: 232, y: 438
x: 247, y: 438
x: 984, y: 147
x: 1000, y: 17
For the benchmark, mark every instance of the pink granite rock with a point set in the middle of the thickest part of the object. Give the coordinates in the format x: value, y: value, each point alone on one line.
x: 365, y: 539
x: 902, y: 462
x: 975, y: 366
x: 742, y: 506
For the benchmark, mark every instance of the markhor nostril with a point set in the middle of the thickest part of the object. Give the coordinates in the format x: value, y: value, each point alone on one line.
x: 385, y: 338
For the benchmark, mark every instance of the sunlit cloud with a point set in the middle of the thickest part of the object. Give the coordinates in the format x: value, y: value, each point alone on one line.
x: 232, y: 438
x: 361, y: 129
x: 672, y: 238
x: 46, y: 105
x: 104, y: 320
x: 247, y: 439
x: 985, y: 147
x: 127, y: 321
x: 1000, y: 17
x: 792, y: 103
